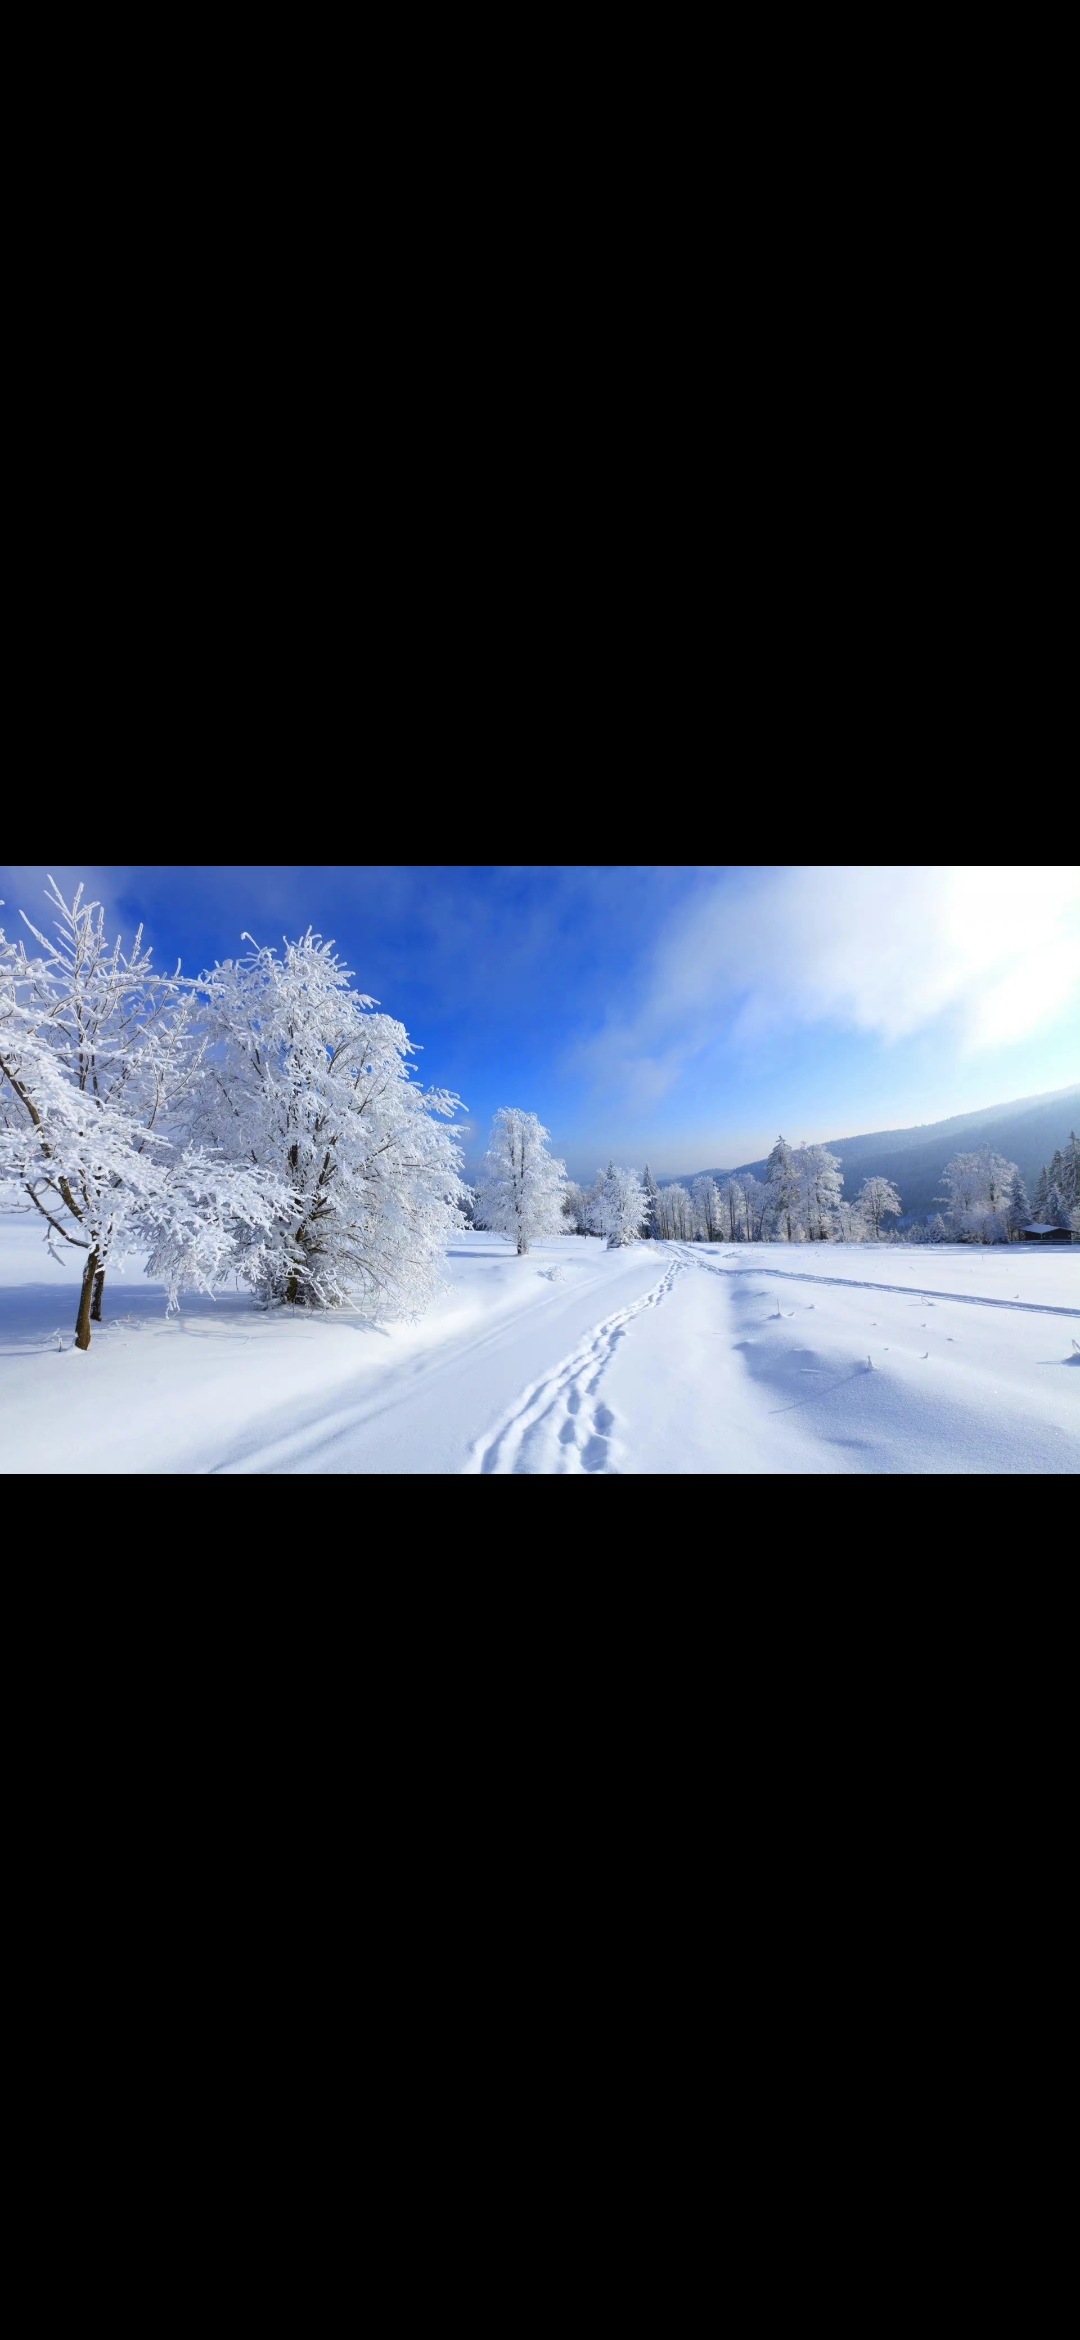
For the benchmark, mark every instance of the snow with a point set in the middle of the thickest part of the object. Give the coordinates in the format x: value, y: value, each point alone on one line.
x: 653, y: 1359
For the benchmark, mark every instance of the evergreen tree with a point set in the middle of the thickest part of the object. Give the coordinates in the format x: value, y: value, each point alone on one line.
x: 651, y: 1225
x: 1062, y: 1188
x: 1057, y: 1208
x: 1070, y: 1185
x: 1017, y: 1208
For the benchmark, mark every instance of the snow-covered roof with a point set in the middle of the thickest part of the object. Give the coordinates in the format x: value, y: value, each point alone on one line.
x: 1038, y: 1230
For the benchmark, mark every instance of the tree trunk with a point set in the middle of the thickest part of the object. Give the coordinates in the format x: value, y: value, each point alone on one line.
x: 82, y: 1321
x: 523, y: 1245
x: 294, y: 1289
x: 99, y: 1287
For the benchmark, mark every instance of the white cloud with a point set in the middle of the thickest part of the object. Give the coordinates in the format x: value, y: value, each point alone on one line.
x: 874, y: 950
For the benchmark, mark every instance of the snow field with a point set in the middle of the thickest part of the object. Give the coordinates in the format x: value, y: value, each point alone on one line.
x: 653, y: 1359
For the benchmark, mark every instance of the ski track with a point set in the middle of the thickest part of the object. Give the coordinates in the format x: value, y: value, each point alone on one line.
x: 860, y: 1284
x: 559, y: 1426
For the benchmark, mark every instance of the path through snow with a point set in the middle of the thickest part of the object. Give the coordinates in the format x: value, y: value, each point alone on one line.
x: 653, y: 1360
x: 561, y: 1425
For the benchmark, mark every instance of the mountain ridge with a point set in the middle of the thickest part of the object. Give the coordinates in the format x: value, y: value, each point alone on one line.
x: 1027, y: 1130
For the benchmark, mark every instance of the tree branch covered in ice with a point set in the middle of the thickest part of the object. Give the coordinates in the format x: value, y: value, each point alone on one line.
x: 305, y: 1080
x: 98, y: 1056
x: 261, y: 1120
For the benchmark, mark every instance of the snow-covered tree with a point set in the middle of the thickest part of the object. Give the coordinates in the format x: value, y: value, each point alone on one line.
x: 741, y: 1203
x: 659, y: 1218
x: 597, y: 1203
x: 820, y: 1180
x: 1057, y: 1192
x: 1057, y: 1208
x: 998, y: 1175
x: 878, y: 1198
x: 850, y: 1224
x: 1070, y: 1180
x: 619, y: 1206
x: 651, y: 1224
x: 755, y: 1206
x: 97, y: 1061
x: 731, y: 1208
x: 782, y: 1184
x: 522, y: 1187
x: 573, y: 1209
x: 678, y: 1214
x: 979, y: 1188
x: 308, y: 1082
x: 928, y: 1230
x: 1017, y: 1208
x: 593, y: 1207
x: 707, y: 1209
x: 1053, y: 1173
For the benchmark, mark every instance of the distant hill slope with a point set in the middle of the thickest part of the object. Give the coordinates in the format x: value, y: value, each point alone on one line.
x: 1028, y: 1132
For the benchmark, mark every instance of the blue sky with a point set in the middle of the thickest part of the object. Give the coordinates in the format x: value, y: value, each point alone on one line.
x: 680, y: 1015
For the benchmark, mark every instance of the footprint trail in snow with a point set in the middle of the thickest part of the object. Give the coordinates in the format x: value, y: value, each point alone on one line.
x: 559, y: 1426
